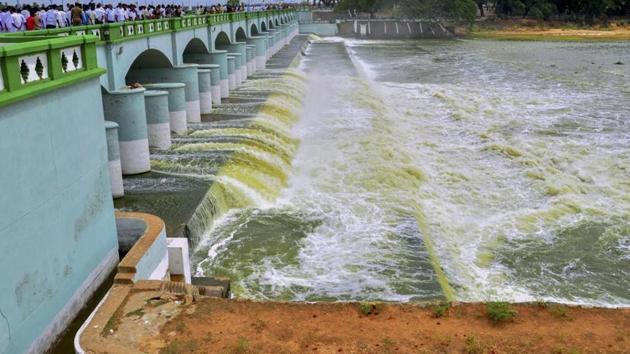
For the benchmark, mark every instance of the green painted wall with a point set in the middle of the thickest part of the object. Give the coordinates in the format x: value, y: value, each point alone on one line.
x: 57, y: 221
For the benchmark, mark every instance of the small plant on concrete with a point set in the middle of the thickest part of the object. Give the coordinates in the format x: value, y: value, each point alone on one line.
x: 500, y: 311
x: 441, y: 309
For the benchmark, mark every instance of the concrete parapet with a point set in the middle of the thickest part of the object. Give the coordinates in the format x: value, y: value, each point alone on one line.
x: 158, y: 119
x: 126, y: 108
x: 176, y: 105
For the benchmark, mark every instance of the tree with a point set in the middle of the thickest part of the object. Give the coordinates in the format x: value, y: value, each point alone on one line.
x: 453, y: 9
x: 370, y: 6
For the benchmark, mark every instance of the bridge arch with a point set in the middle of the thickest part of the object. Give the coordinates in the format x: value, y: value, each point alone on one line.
x: 193, y: 50
x: 222, y: 40
x: 253, y: 30
x: 271, y: 24
x: 277, y: 23
x: 240, y: 35
x: 148, y: 59
x: 263, y: 26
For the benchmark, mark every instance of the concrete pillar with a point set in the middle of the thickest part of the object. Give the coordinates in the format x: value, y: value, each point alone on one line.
x: 158, y: 119
x: 126, y: 108
x: 251, y: 59
x: 215, y: 81
x: 231, y: 74
x: 269, y: 37
x: 238, y: 63
x: 113, y: 157
x: 205, y: 90
x: 261, y: 50
x: 186, y: 74
x: 240, y: 48
x: 176, y: 104
x: 219, y: 57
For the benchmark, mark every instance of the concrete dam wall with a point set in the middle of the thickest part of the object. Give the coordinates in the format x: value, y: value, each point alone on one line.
x: 392, y: 29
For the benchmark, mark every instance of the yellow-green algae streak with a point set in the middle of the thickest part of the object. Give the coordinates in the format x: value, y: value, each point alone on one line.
x: 259, y: 155
x: 399, y: 178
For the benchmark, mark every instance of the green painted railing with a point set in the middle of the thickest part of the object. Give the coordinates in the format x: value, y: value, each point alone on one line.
x: 31, y: 68
x: 34, y: 62
x: 134, y: 29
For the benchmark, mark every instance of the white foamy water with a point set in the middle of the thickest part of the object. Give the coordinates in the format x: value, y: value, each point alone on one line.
x: 510, y: 160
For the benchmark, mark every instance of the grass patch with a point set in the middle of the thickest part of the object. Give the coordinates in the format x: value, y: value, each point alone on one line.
x: 137, y: 312
x: 180, y: 346
x: 441, y: 309
x: 368, y: 308
x: 500, y: 312
x: 242, y: 346
x: 472, y: 345
x: 559, y: 311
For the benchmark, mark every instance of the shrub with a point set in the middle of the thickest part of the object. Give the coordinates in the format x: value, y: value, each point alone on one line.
x: 441, y: 309
x: 500, y: 311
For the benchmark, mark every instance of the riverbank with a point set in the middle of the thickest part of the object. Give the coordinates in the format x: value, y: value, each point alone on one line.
x: 231, y: 326
x: 547, y: 30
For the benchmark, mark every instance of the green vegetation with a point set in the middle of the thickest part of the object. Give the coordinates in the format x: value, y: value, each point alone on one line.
x: 472, y: 345
x: 441, y: 309
x: 587, y: 11
x: 137, y: 312
x: 368, y: 308
x: 500, y: 312
x: 180, y: 346
x: 242, y: 346
x: 467, y: 10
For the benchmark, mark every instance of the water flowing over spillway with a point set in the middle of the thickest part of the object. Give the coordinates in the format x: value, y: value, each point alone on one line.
x: 471, y: 170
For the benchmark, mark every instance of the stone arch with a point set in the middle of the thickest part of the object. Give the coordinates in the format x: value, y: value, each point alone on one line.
x: 195, y: 48
x: 263, y: 26
x: 148, y: 59
x: 271, y: 24
x: 240, y: 35
x: 277, y: 24
x: 253, y: 30
x: 222, y: 40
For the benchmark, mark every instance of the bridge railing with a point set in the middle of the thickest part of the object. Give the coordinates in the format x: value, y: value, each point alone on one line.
x: 133, y: 29
x: 34, y: 67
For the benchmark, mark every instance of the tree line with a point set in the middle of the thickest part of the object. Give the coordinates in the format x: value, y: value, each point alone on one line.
x: 468, y: 10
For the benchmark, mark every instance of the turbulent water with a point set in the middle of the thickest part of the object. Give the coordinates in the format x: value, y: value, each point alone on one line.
x: 471, y: 170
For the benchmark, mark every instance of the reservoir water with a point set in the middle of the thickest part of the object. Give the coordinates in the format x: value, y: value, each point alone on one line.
x: 416, y: 170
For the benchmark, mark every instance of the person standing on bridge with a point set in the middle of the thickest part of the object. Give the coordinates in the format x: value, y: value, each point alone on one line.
x: 49, y: 20
x: 99, y: 14
x: 76, y: 15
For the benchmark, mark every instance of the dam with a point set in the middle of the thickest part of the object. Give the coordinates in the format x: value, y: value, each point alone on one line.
x: 242, y: 155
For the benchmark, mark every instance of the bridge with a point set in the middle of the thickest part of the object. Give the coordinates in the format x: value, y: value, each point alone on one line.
x: 70, y: 126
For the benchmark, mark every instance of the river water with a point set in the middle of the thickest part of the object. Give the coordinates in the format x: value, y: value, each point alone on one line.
x: 471, y: 170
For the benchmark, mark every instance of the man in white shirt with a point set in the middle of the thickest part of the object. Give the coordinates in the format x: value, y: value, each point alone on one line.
x: 99, y: 14
x: 49, y: 19
x: 110, y: 14
x: 61, y: 17
x: 19, y: 22
x: 6, y: 19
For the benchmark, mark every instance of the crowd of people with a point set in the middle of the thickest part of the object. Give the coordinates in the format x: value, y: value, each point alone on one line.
x: 35, y: 17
